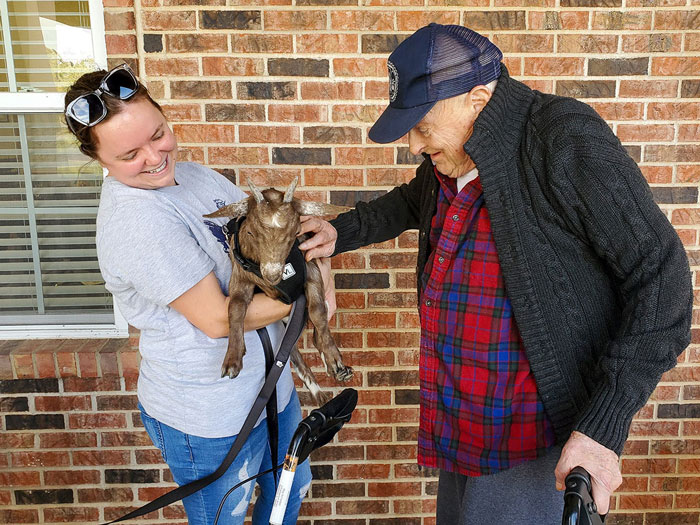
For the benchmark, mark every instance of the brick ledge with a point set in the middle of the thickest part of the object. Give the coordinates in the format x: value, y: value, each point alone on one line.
x: 61, y: 358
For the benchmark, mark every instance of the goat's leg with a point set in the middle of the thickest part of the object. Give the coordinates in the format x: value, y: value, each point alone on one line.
x: 307, y: 377
x: 318, y: 314
x: 240, y: 293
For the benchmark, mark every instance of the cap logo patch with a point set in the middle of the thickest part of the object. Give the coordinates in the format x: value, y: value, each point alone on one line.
x: 393, y: 81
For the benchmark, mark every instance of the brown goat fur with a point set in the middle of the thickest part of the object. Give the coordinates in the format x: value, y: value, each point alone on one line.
x: 266, y: 237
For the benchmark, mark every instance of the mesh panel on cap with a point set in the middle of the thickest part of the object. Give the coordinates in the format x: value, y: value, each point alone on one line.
x: 459, y: 60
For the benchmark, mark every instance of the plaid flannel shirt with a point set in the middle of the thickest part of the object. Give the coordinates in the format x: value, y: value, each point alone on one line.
x: 480, y: 410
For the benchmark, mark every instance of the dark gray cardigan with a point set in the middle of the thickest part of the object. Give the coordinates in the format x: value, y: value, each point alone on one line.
x: 597, y: 277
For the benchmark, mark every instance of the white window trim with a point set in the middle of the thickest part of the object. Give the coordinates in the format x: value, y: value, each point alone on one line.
x: 53, y: 103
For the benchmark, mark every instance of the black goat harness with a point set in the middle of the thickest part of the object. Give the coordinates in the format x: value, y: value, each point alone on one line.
x: 293, y: 276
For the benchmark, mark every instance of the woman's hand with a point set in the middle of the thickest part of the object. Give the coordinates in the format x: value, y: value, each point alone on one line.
x: 324, y: 264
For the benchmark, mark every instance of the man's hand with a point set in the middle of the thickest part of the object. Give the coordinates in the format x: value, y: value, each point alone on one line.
x: 600, y: 462
x: 324, y: 264
x: 322, y: 244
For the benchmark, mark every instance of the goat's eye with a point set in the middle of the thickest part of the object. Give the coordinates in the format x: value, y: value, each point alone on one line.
x: 249, y: 233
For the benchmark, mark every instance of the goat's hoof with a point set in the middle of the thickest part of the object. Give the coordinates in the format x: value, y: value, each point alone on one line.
x: 320, y: 397
x: 343, y: 373
x: 231, y: 371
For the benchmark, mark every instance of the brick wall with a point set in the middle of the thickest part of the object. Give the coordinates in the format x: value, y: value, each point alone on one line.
x: 275, y: 89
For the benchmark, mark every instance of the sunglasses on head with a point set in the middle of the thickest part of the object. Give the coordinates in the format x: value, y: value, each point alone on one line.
x: 90, y: 109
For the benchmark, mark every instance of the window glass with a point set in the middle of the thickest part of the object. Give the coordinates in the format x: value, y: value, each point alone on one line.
x: 49, y: 191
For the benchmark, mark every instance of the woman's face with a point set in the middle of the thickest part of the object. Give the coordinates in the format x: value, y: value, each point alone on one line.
x: 137, y: 146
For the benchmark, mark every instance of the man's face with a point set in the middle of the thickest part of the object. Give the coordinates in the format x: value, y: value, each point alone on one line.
x: 442, y: 134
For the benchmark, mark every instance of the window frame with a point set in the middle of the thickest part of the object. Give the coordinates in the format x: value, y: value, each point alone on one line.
x: 33, y: 102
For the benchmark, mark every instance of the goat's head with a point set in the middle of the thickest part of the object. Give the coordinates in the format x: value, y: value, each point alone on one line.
x: 272, y: 222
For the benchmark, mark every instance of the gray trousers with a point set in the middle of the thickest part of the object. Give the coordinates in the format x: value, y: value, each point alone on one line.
x: 523, y: 494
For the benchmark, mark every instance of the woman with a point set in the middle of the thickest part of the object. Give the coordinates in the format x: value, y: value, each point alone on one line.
x: 167, y: 267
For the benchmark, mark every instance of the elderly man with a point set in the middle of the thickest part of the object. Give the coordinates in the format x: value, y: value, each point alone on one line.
x: 553, y: 292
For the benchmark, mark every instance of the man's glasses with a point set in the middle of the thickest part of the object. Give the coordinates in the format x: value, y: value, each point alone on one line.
x: 90, y: 109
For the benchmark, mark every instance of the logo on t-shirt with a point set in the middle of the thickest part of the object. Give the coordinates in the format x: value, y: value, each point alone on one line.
x: 217, y: 229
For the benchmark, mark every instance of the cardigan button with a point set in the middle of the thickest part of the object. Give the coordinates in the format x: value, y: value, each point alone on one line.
x: 455, y: 217
x: 428, y: 302
x: 441, y: 259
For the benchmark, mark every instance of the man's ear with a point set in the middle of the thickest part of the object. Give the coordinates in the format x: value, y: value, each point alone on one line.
x: 479, y: 97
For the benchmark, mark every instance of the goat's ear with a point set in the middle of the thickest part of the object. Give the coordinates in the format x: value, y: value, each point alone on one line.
x: 317, y: 208
x: 235, y: 210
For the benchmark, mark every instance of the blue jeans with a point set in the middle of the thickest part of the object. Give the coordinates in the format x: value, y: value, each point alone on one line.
x: 190, y: 457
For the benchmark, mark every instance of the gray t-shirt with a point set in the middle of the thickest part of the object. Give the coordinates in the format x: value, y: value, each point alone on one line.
x: 152, y: 246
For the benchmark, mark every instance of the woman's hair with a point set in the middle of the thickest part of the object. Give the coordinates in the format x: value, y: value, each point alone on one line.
x: 88, y: 83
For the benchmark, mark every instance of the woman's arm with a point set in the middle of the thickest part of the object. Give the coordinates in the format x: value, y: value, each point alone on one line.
x: 206, y: 307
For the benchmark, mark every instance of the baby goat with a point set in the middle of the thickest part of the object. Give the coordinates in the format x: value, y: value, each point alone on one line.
x: 266, y: 236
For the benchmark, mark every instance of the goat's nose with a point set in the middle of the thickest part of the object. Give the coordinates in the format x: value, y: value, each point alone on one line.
x: 272, y: 272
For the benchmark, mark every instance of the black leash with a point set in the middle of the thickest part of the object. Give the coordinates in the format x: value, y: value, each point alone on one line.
x: 271, y: 406
x: 294, y: 329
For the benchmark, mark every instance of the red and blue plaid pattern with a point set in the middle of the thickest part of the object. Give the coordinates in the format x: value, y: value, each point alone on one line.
x: 480, y: 410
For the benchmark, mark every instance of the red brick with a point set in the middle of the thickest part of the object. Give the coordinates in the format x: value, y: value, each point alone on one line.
x: 362, y: 507
x: 66, y: 364
x: 297, y: 113
x: 568, y: 20
x: 294, y: 20
x: 689, y: 133
x: 645, y: 132
x: 617, y: 20
x: 94, y: 495
x: 360, y: 67
x: 236, y: 156
x: 382, y: 490
x: 87, y: 364
x: 39, y: 459
x: 393, y: 452
x: 524, y: 43
x: 648, y: 88
x: 232, y: 66
x: 324, y: 43
x: 67, y: 439
x: 363, y: 20
x: 74, y: 384
x: 648, y: 466
x: 364, y: 156
x: 674, y: 111
x: 20, y: 478
x: 45, y: 365
x: 71, y: 477
x: 18, y: 516
x: 657, y: 174
x: 71, y: 514
x: 121, y: 44
x: 413, y: 20
x: 333, y: 177
x: 393, y: 415
x: 16, y: 440
x: 168, y: 20
x: 100, y: 457
x: 690, y: 173
x: 24, y: 366
x: 619, y: 110
x: 119, y: 21
x: 368, y: 320
x: 262, y: 43
x: 646, y: 501
x: 339, y: 90
x: 180, y: 66
x: 269, y: 134
x: 180, y: 112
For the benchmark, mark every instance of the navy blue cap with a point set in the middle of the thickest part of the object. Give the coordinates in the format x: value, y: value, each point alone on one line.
x: 434, y: 63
